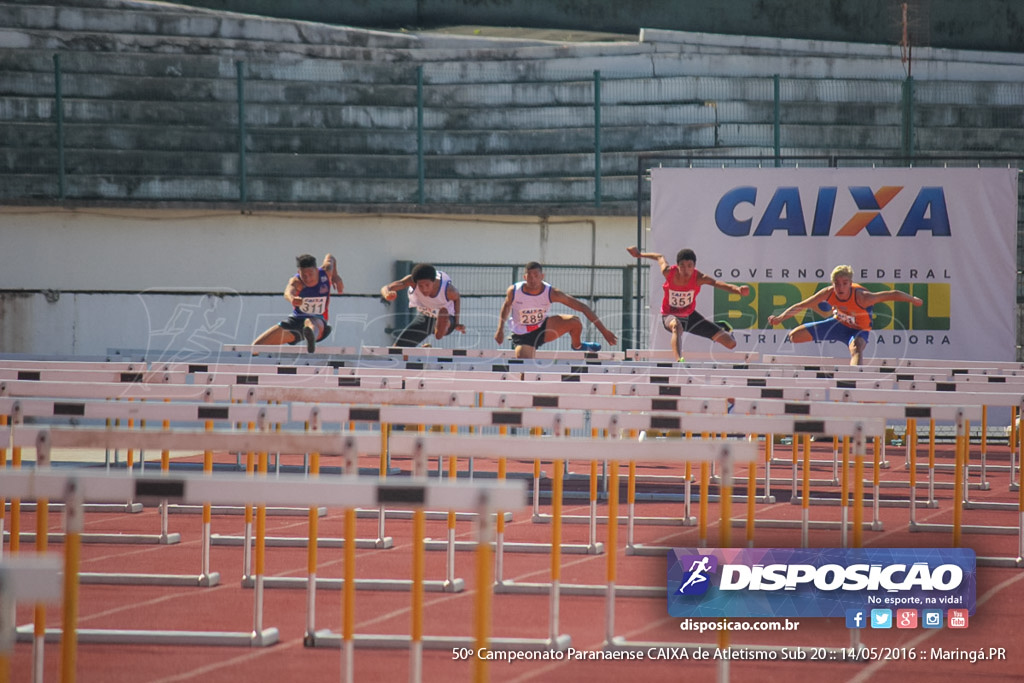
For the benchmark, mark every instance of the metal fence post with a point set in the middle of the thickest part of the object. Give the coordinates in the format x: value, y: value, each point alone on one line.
x: 420, y: 171
x: 638, y: 292
x: 243, y: 190
x: 58, y: 112
x: 908, y: 117
x: 402, y: 316
x: 628, y: 323
x: 597, y: 138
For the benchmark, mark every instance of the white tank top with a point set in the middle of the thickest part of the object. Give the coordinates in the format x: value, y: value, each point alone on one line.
x: 529, y: 311
x: 429, y: 306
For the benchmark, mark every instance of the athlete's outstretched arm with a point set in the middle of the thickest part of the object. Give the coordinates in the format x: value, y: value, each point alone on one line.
x: 703, y: 279
x: 866, y: 298
x: 453, y: 295
x: 575, y: 304
x: 330, y: 266
x: 506, y: 310
x: 809, y: 302
x: 652, y: 255
x: 391, y: 290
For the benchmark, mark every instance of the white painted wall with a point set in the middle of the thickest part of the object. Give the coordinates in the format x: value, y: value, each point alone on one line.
x: 176, y: 280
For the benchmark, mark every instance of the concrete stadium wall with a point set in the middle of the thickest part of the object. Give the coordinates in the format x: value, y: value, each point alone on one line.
x: 975, y: 25
x: 85, y: 281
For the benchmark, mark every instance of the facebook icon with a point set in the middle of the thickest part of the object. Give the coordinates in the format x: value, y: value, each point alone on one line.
x: 855, y: 618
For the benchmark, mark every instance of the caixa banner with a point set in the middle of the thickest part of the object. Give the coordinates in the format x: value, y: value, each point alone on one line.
x: 944, y: 235
x: 805, y: 582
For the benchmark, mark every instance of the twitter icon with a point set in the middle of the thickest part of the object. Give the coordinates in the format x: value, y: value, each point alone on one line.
x: 881, y: 618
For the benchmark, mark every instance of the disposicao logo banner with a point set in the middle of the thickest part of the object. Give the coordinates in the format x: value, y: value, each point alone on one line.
x: 805, y: 582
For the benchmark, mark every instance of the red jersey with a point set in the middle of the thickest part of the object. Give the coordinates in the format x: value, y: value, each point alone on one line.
x: 679, y: 301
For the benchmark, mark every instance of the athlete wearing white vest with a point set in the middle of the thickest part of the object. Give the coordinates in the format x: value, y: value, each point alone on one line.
x: 529, y: 311
x: 435, y: 299
x: 529, y: 302
x: 428, y: 304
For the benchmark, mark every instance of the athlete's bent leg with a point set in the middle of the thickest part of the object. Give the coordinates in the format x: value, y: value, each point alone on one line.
x: 444, y: 322
x: 558, y: 325
x: 725, y: 339
x: 276, y: 335
x: 799, y: 335
x: 674, y: 326
x: 857, y: 345
x: 524, y: 351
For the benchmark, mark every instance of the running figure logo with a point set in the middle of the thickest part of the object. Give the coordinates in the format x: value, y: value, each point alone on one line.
x: 696, y: 581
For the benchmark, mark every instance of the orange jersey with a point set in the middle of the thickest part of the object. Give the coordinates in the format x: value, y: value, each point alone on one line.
x: 849, y: 312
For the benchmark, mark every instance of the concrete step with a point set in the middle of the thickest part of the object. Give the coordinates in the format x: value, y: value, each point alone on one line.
x: 30, y: 72
x: 988, y: 140
x: 131, y: 112
x: 168, y: 19
x: 511, y: 143
x: 971, y: 94
x: 89, y: 110
x: 235, y: 48
x: 124, y: 163
x: 718, y: 65
x: 421, y: 48
x: 319, y: 190
x: 360, y: 141
x: 685, y: 41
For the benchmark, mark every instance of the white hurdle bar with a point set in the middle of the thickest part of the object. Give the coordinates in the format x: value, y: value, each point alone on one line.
x: 717, y: 406
x: 426, y: 445
x: 476, y: 417
x: 747, y: 425
x: 74, y: 487
x: 886, y: 411
x: 963, y: 399
x: 961, y: 470
x: 580, y: 449
x: 135, y: 390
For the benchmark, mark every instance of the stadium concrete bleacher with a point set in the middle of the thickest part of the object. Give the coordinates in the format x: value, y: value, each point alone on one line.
x: 151, y: 97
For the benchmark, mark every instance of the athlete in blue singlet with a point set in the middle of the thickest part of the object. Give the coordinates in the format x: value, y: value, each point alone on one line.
x: 309, y: 293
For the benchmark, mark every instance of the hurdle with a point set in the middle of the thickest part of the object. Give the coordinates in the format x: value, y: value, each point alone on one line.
x: 348, y: 392
x: 312, y: 419
x: 614, y: 642
x: 271, y: 351
x: 422, y: 415
x: 26, y: 578
x: 32, y: 366
x: 582, y: 449
x: 752, y: 424
x: 253, y: 414
x: 181, y: 412
x: 426, y: 445
x: 968, y: 400
x: 530, y: 418
x: 112, y: 390
x: 533, y: 419
x: 75, y: 375
x: 597, y: 403
x: 887, y: 411
x: 705, y: 356
x: 312, y: 541
x: 961, y: 468
x: 235, y: 489
x: 84, y: 407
